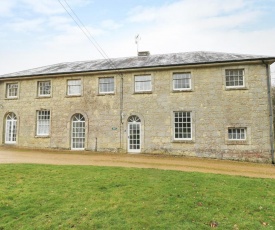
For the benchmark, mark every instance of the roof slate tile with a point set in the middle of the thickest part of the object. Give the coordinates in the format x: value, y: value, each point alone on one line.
x: 187, y: 58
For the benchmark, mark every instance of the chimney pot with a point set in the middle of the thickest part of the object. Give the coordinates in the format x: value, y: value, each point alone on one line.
x: 143, y: 53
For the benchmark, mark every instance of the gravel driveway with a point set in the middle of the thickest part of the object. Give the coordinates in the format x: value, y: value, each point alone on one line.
x: 190, y: 164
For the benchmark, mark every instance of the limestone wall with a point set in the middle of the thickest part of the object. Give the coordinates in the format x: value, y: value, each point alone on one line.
x: 214, y: 108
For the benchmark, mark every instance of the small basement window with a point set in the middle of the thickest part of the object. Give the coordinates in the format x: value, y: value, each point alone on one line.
x: 237, y: 133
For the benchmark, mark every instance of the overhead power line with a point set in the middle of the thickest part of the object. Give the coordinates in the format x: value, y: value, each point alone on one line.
x: 85, y: 31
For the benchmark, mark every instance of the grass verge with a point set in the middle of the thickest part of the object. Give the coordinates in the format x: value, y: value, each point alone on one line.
x: 89, y: 197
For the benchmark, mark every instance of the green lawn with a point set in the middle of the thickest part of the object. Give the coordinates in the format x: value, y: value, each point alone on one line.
x: 88, y: 197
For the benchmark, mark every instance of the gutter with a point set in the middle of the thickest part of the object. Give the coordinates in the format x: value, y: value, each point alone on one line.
x: 268, y: 79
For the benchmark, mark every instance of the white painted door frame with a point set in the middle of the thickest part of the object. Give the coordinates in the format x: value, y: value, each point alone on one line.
x: 11, y: 129
x: 78, y: 132
x: 134, y: 137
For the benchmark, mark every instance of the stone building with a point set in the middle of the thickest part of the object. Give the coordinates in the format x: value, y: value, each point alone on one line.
x: 204, y: 104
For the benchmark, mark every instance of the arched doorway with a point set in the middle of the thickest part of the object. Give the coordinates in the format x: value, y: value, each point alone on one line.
x: 78, y: 132
x: 134, y: 131
x: 11, y: 129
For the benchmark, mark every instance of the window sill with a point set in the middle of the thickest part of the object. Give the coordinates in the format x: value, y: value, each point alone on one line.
x: 11, y: 98
x: 236, y: 88
x: 181, y: 90
x: 143, y: 92
x: 105, y: 94
x: 68, y: 96
x: 183, y: 141
x: 237, y: 142
x: 46, y: 136
x: 43, y: 97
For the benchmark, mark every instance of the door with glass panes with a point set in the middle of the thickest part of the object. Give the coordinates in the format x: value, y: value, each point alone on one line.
x: 134, y: 130
x: 11, y: 129
x: 78, y: 132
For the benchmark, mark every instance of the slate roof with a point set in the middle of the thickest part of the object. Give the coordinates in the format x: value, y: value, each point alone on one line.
x: 160, y: 60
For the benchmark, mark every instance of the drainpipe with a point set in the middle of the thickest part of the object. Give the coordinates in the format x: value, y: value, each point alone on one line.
x: 270, y: 110
x: 121, y: 109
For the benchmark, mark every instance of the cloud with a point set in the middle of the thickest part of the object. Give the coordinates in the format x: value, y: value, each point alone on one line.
x: 190, y: 11
x: 40, y: 16
x: 26, y: 25
x: 6, y: 8
x: 110, y: 24
x: 189, y: 25
x: 72, y: 35
x: 51, y: 7
x: 174, y: 26
x: 42, y: 7
x: 59, y: 23
x: 237, y: 20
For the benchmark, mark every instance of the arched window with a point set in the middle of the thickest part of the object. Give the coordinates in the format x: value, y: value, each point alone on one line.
x: 11, y: 128
x: 78, y: 132
x: 133, y: 118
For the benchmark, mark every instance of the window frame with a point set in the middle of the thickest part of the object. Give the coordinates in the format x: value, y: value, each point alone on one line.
x: 39, y: 123
x: 39, y: 88
x: 108, y: 84
x: 234, y: 76
x: 244, y: 129
x: 190, y: 126
x: 79, y: 85
x: 142, y: 81
x: 8, y: 90
x: 189, y: 82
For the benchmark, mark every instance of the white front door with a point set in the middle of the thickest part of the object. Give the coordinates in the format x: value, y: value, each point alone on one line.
x: 134, y: 137
x: 11, y: 129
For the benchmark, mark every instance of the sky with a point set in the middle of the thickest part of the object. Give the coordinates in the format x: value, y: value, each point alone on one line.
x: 35, y: 33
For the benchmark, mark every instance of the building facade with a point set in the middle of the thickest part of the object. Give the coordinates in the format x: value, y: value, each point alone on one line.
x: 201, y: 104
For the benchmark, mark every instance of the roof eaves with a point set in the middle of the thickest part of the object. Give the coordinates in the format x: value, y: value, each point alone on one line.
x: 272, y: 60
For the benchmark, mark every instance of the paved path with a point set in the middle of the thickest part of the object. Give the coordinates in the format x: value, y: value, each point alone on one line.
x: 14, y: 155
